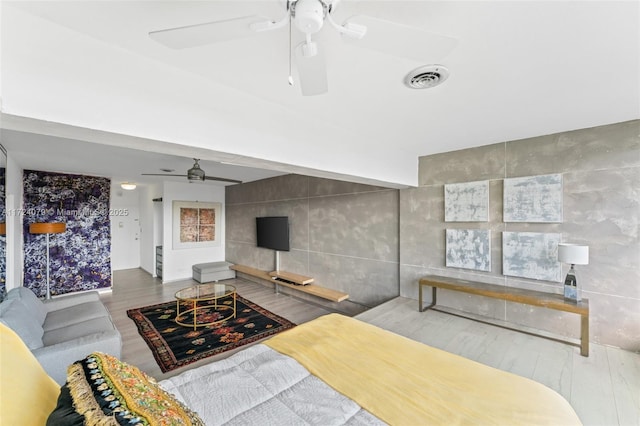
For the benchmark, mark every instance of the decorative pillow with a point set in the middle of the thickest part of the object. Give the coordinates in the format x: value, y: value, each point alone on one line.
x: 106, y: 391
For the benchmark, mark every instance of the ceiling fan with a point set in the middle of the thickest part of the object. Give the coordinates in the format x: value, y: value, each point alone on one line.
x: 195, y: 174
x: 309, y: 16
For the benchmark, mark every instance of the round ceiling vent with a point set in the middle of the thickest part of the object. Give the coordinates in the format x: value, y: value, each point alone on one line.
x: 426, y: 77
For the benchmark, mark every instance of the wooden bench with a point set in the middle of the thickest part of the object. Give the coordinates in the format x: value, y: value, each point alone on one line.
x: 313, y: 289
x: 511, y: 294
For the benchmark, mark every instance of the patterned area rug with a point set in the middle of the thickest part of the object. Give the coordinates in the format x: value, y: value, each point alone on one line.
x: 175, y: 346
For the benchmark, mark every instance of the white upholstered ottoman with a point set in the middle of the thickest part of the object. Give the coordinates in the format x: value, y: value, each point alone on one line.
x: 213, y: 271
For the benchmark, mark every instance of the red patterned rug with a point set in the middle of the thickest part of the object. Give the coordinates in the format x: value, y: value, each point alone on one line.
x: 175, y: 346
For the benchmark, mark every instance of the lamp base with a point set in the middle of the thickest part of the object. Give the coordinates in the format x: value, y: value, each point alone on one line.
x: 572, y: 292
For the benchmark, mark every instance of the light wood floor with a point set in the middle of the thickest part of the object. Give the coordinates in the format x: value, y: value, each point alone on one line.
x: 604, y: 388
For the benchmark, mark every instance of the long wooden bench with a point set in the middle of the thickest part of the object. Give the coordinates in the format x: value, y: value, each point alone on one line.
x: 313, y: 289
x: 511, y: 294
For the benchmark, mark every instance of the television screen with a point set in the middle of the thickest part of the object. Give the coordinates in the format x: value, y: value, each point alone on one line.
x: 273, y: 232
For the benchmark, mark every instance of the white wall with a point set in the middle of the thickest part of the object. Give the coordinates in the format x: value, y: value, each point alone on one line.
x: 14, y: 223
x: 177, y: 263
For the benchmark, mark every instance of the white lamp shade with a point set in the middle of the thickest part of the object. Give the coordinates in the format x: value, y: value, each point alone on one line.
x: 574, y: 254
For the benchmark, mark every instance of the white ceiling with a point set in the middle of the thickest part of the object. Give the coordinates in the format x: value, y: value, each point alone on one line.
x: 39, y: 152
x: 521, y: 69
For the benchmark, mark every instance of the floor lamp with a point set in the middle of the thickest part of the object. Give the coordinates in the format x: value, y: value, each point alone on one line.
x: 47, y: 228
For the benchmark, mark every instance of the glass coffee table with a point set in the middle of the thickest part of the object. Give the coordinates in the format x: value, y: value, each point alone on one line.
x: 194, y: 297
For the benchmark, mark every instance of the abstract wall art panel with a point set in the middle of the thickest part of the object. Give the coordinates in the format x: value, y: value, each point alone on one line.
x: 466, y: 202
x: 196, y: 224
x: 535, y: 199
x: 468, y: 249
x: 531, y: 255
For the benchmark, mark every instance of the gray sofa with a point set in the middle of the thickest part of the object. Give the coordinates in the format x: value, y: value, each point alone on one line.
x: 62, y: 330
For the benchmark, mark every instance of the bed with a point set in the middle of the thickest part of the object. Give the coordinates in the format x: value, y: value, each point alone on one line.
x: 339, y: 370
x: 391, y: 378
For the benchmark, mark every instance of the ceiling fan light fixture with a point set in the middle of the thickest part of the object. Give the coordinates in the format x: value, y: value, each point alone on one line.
x: 426, y: 77
x: 195, y: 173
x: 308, y: 15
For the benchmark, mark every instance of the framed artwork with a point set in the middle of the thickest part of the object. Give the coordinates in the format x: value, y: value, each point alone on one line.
x: 196, y: 224
x: 531, y: 255
x: 466, y: 202
x: 468, y: 249
x: 533, y: 199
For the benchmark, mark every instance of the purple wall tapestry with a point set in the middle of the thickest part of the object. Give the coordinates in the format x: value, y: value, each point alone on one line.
x: 3, y: 234
x: 79, y: 257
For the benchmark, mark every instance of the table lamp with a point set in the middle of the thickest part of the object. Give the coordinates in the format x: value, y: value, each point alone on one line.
x: 573, y: 254
x: 47, y: 228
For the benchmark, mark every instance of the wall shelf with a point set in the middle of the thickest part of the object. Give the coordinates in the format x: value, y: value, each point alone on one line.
x: 312, y: 289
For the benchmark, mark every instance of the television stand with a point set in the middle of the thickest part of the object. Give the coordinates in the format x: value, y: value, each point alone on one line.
x: 283, y: 280
x: 291, y: 278
x: 311, y: 289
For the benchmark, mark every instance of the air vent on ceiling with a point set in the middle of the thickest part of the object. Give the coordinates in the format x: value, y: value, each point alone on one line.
x: 426, y: 77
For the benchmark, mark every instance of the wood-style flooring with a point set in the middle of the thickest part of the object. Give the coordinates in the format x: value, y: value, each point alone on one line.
x: 604, y: 388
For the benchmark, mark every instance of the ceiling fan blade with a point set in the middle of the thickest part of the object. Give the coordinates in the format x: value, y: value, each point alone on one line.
x: 312, y: 72
x: 222, y: 179
x: 184, y: 176
x: 401, y: 40
x: 208, y: 33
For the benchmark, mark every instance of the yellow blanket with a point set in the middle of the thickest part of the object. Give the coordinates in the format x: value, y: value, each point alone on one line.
x: 404, y: 382
x: 27, y: 393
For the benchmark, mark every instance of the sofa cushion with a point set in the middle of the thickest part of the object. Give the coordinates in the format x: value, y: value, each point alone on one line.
x: 28, y: 393
x: 74, y: 315
x: 104, y: 389
x: 70, y: 299
x: 30, y: 301
x: 75, y: 331
x: 17, y: 317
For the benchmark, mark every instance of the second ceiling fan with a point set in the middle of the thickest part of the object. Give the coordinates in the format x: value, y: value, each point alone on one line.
x: 196, y: 174
x: 309, y: 17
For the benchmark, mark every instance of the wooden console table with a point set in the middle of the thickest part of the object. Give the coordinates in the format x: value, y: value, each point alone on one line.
x: 511, y: 294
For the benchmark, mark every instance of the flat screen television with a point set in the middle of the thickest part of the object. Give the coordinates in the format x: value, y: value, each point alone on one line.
x: 273, y: 232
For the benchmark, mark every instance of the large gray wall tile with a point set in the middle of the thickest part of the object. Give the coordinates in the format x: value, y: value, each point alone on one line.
x: 362, y: 225
x: 319, y: 187
x: 277, y: 188
x: 605, y: 147
x: 367, y: 281
x: 481, y: 163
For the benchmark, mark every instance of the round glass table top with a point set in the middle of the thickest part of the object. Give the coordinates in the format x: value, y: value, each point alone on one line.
x: 205, y: 292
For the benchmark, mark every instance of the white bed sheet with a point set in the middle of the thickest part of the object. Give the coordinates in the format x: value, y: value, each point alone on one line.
x: 261, y: 386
